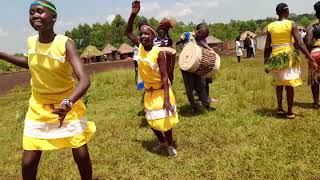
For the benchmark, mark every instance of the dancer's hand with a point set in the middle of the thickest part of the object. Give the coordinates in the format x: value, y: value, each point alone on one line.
x: 167, y: 106
x: 61, y: 112
x: 135, y: 7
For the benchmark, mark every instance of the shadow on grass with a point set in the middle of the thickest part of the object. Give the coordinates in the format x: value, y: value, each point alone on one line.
x: 149, y: 144
x: 143, y: 121
x: 303, y: 105
x: 185, y: 111
x: 267, y: 112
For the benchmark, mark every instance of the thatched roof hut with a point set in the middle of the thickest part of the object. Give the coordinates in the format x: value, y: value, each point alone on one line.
x: 125, y: 49
x: 212, y: 40
x: 244, y: 35
x: 109, y: 49
x: 91, y: 51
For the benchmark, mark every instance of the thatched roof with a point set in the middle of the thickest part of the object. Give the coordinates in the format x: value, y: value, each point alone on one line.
x: 109, y: 49
x: 263, y: 32
x: 244, y: 35
x: 91, y: 51
x: 125, y: 49
x: 212, y: 40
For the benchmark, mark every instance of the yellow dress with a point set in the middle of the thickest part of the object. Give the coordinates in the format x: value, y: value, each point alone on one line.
x: 154, y: 92
x: 288, y: 72
x: 51, y: 82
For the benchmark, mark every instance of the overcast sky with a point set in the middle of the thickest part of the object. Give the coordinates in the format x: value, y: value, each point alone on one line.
x: 15, y: 27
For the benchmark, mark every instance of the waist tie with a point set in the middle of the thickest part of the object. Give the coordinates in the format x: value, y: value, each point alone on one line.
x: 281, y: 45
x: 152, y: 89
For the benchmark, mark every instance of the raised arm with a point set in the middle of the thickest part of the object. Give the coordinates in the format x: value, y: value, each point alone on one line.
x: 129, y: 30
x: 309, y: 38
x: 267, y: 48
x: 16, y: 60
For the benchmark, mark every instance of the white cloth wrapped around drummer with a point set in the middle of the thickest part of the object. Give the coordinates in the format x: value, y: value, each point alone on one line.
x: 203, y: 61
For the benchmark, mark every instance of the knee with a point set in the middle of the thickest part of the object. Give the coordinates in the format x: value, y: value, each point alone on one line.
x: 80, y: 158
x: 29, y: 164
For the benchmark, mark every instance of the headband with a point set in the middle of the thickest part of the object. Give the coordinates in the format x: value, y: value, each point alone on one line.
x: 150, y: 28
x: 39, y: 3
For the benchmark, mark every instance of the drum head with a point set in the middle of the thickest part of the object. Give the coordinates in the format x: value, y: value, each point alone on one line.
x: 190, y: 57
x: 168, y: 50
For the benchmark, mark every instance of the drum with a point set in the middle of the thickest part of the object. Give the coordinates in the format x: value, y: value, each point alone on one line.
x: 201, y: 61
x: 171, y: 60
x: 315, y: 75
x: 315, y: 53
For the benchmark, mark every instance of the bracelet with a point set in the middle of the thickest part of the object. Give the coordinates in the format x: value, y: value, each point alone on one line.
x: 66, y: 103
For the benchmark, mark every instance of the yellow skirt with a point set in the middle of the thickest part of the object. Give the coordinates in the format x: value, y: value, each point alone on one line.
x: 287, y: 77
x: 153, y: 102
x: 42, y: 132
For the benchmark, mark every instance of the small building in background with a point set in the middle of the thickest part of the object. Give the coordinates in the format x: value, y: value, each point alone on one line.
x: 110, y: 53
x: 244, y: 35
x: 91, y: 55
x: 125, y: 51
x: 261, y: 39
x: 214, y: 43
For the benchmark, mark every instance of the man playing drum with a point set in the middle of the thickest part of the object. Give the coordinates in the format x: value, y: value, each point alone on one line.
x: 194, y: 82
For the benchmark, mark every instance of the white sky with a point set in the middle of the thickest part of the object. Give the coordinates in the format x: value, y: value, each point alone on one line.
x: 15, y: 28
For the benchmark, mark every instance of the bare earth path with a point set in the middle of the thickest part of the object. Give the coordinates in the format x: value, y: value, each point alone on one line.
x: 8, y: 81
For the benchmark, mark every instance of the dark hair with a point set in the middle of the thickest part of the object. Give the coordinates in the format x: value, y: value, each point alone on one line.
x: 317, y: 9
x: 238, y: 38
x: 144, y: 22
x: 281, y: 8
x: 201, y: 25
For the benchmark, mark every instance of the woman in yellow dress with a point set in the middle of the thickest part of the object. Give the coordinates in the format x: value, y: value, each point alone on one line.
x: 284, y: 62
x: 56, y: 114
x: 159, y: 101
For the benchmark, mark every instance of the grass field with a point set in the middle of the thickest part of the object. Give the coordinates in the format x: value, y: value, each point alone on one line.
x: 242, y: 139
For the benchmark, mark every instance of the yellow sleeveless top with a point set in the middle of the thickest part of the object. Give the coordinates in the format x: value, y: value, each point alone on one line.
x: 149, y: 68
x: 51, y: 72
x: 280, y: 32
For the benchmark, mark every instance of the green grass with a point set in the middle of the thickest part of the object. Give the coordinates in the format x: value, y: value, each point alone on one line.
x: 242, y: 139
x: 7, y: 67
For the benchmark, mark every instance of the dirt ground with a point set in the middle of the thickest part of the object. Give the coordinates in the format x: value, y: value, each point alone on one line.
x: 9, y: 81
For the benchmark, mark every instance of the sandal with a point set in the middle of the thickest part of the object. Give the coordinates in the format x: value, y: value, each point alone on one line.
x: 290, y: 116
x: 315, y: 106
x: 281, y: 112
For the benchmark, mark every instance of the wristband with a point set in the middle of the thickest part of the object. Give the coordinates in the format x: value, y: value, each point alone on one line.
x: 66, y: 103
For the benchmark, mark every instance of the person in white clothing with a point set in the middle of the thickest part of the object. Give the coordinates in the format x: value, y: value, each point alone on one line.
x: 253, y: 49
x: 238, y: 49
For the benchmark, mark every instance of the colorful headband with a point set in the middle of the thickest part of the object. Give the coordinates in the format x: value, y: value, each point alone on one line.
x: 150, y: 28
x: 39, y: 3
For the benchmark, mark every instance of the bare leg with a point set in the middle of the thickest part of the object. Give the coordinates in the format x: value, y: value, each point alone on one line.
x: 30, y: 162
x: 290, y: 96
x: 82, y: 158
x: 315, y: 93
x: 168, y: 135
x: 159, y: 135
x: 279, y: 90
